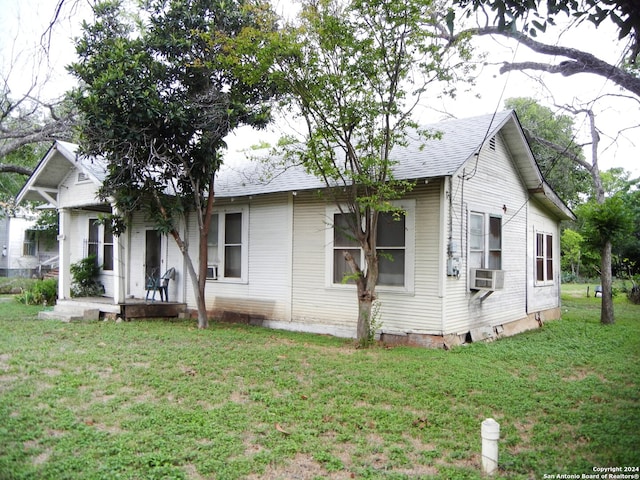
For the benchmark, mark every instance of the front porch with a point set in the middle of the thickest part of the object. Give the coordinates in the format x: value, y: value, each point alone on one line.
x: 95, y: 308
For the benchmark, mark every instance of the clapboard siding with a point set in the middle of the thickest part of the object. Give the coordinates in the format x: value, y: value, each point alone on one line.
x: 421, y: 310
x: 313, y: 301
x: 542, y: 297
x: 492, y: 184
x: 76, y: 194
x: 266, y: 289
x: 316, y: 301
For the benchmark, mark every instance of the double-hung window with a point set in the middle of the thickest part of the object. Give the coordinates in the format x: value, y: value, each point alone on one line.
x: 227, y: 245
x: 544, y: 258
x: 485, y: 241
x: 29, y: 243
x: 394, y: 248
x: 100, y: 243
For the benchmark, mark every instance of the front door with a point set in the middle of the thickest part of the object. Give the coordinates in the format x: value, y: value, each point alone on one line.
x: 153, y: 252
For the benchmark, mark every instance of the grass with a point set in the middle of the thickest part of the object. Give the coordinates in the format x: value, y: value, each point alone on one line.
x: 161, y: 399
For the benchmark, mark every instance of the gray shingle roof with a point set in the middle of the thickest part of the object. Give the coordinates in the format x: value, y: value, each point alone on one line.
x: 435, y: 157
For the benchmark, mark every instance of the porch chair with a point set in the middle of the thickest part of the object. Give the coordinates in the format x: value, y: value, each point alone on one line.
x: 160, y: 284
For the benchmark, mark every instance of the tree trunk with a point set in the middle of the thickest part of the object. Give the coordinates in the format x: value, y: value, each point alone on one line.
x: 203, y: 319
x: 365, y: 302
x: 366, y: 285
x: 606, y: 312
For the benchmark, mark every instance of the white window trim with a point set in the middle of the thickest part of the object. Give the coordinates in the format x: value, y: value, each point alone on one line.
x: 545, y: 282
x: 486, y: 226
x: 244, y: 268
x: 101, y: 244
x: 409, y: 206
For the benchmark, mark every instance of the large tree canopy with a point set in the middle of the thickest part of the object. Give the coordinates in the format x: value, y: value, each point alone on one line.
x: 157, y: 103
x: 356, y: 69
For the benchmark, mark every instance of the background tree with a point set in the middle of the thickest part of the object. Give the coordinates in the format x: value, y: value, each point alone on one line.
x: 356, y: 70
x: 552, y: 140
x: 158, y: 101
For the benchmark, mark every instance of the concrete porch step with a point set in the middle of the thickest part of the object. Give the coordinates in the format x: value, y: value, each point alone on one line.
x: 70, y: 313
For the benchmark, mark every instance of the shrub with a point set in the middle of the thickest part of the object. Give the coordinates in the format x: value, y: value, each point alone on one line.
x: 85, y: 278
x: 41, y: 292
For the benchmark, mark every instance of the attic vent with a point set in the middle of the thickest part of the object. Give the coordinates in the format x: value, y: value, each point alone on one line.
x: 492, y: 143
x: 82, y: 177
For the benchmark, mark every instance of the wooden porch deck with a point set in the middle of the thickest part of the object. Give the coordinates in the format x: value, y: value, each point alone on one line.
x: 131, y: 308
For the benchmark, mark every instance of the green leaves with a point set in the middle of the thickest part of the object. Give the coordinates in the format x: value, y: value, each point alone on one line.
x: 609, y: 221
x: 159, y: 98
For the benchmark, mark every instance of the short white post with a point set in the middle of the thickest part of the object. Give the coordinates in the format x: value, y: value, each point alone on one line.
x: 490, y: 432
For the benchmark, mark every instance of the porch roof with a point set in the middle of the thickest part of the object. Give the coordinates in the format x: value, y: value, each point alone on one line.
x: 56, y: 164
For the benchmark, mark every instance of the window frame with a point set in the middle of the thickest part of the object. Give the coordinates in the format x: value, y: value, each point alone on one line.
x: 545, y: 258
x: 101, y: 243
x: 409, y: 206
x: 487, y: 249
x: 30, y: 243
x: 220, y: 244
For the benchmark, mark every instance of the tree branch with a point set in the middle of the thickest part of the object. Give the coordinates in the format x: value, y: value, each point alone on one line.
x: 580, y: 61
x: 6, y: 168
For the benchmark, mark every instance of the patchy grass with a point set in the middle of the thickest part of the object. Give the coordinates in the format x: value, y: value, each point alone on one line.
x: 162, y: 399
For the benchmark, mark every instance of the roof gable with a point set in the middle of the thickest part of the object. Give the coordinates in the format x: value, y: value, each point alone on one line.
x: 54, y: 167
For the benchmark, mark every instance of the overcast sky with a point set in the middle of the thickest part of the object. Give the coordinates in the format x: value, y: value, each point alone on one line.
x: 23, y: 22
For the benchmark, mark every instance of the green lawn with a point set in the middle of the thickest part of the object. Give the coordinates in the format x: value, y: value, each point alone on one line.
x: 161, y: 399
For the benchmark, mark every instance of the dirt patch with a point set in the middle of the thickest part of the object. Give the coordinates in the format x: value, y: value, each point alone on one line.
x: 301, y: 467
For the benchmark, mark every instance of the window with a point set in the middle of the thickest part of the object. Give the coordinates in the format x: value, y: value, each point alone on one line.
x: 394, y: 247
x: 212, y: 246
x: 29, y: 244
x: 544, y: 258
x: 100, y: 243
x: 485, y: 241
x: 233, y: 245
x: 227, y: 245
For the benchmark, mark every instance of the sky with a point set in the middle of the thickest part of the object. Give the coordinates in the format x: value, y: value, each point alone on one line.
x: 22, y: 23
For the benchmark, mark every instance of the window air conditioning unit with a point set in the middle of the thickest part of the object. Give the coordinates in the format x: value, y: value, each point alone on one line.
x: 212, y: 272
x: 483, y: 279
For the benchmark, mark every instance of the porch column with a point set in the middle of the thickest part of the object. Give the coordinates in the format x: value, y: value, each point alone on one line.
x: 64, y: 248
x: 119, y: 269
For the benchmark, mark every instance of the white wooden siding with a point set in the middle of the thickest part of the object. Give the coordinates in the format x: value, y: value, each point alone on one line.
x: 266, y: 291
x: 419, y: 310
x: 542, y: 297
x: 76, y: 194
x: 15, y: 246
x: 492, y: 184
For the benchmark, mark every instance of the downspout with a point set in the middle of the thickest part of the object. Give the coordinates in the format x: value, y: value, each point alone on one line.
x: 444, y: 278
x: 445, y: 240
x: 529, y: 260
x: 292, y: 198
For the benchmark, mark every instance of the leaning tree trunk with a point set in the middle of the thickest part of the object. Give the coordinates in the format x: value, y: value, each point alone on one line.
x: 203, y: 319
x: 606, y: 312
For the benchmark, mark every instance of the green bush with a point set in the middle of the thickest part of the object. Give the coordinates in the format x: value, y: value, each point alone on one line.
x: 41, y: 292
x: 85, y: 278
x: 12, y: 285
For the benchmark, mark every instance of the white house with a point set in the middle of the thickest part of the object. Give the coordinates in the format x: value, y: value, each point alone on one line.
x: 475, y: 256
x: 23, y: 252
